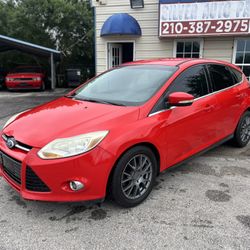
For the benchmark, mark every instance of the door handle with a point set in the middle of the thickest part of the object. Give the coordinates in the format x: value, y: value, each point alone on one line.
x: 209, y: 108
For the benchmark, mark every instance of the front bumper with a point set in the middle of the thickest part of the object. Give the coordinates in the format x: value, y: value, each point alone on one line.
x: 92, y: 169
x: 19, y: 85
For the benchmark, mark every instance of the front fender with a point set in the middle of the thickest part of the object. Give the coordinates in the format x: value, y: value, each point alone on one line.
x: 143, y: 131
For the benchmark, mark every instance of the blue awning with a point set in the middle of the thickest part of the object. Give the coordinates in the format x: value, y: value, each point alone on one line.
x: 121, y: 24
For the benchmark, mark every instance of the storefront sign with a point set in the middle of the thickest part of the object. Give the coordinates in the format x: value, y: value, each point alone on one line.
x: 201, y: 18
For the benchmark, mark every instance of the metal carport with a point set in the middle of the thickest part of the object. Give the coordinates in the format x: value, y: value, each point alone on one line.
x: 8, y: 43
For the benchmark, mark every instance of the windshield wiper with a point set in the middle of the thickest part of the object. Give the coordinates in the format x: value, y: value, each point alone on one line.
x: 94, y: 100
x: 70, y: 96
x: 103, y: 102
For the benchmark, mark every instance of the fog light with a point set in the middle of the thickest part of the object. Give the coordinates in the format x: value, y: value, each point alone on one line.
x: 76, y: 185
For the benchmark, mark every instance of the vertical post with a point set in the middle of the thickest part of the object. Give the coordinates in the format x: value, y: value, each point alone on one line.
x: 53, y: 72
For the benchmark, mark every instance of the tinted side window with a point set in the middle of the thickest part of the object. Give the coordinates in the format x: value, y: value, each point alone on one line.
x: 221, y: 77
x: 237, y: 75
x: 192, y: 81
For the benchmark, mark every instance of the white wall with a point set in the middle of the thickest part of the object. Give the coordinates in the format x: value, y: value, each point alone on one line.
x: 219, y: 48
x: 149, y: 45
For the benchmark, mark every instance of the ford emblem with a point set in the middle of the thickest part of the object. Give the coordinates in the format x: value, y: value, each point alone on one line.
x: 11, y: 143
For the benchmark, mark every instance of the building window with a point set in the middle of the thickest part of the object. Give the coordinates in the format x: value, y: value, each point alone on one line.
x: 188, y: 48
x: 242, y: 55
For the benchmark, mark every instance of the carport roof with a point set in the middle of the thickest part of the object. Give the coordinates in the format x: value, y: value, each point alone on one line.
x: 8, y: 43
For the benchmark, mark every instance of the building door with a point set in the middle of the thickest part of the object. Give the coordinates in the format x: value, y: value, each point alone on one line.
x: 115, y: 55
x: 119, y: 53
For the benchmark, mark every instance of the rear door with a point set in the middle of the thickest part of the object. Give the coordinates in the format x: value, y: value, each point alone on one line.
x: 229, y: 98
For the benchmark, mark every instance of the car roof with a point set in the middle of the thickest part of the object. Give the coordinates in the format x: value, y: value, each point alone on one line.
x: 175, y: 61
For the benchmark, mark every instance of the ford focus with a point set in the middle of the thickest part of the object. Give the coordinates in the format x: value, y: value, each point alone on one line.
x: 117, y: 132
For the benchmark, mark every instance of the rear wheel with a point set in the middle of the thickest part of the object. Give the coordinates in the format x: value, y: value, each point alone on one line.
x: 134, y: 176
x: 242, y: 132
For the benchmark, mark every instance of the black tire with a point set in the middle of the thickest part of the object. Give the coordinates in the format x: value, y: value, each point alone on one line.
x: 142, y: 183
x: 242, y: 132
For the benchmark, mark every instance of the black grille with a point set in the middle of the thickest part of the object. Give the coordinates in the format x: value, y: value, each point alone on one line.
x: 23, y: 79
x: 11, y: 167
x: 24, y: 145
x: 34, y: 183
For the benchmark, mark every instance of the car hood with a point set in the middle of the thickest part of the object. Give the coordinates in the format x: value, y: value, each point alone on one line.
x: 66, y: 117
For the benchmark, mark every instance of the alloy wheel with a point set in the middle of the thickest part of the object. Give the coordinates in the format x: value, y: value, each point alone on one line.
x: 137, y: 176
x: 245, y: 129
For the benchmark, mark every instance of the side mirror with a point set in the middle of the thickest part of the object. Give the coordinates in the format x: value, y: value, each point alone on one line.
x: 180, y: 99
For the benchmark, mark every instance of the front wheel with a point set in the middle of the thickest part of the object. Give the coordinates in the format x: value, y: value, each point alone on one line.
x: 134, y: 176
x: 242, y: 132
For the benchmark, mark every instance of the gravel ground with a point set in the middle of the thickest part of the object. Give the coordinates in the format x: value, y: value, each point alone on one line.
x: 204, y: 204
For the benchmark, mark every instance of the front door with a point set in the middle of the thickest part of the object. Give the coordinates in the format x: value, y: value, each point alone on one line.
x: 188, y: 130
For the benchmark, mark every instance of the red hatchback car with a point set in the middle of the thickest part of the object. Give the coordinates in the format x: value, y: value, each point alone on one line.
x: 119, y: 130
x: 25, y: 77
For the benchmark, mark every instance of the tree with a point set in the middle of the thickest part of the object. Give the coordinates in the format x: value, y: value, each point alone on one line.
x: 66, y: 25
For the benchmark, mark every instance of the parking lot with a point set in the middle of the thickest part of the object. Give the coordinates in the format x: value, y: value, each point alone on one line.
x: 203, y: 204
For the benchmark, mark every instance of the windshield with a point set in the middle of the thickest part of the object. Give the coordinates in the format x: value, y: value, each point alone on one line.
x: 128, y: 85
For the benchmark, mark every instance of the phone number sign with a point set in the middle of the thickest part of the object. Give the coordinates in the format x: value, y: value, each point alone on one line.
x: 205, y: 18
x: 209, y: 27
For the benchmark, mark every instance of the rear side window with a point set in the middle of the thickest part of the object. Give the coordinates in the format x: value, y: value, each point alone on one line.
x: 221, y: 77
x: 237, y: 75
x: 192, y: 81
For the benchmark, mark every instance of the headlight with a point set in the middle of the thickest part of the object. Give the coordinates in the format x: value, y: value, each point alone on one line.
x: 37, y: 79
x: 13, y: 118
x: 66, y: 147
x: 8, y: 79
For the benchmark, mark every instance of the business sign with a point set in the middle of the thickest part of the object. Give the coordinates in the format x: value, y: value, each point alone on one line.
x: 204, y: 18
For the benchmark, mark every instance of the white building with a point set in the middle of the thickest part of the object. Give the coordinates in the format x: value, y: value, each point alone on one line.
x: 129, y: 30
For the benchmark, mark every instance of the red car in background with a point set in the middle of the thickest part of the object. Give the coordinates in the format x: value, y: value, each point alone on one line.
x: 117, y: 132
x: 25, y: 77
